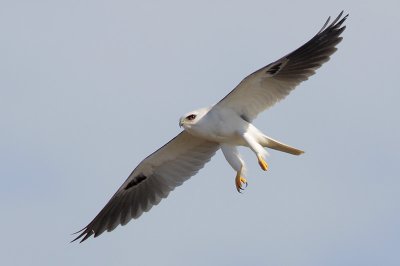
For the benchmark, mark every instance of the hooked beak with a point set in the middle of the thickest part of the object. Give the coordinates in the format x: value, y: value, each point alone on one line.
x: 180, y: 122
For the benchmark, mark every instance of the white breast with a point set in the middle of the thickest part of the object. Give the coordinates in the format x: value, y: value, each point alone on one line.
x: 221, y: 125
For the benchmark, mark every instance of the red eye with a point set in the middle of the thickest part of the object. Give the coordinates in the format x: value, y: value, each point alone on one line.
x: 190, y: 117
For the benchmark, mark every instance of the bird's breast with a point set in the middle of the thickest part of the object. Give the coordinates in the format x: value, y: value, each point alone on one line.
x: 222, y: 126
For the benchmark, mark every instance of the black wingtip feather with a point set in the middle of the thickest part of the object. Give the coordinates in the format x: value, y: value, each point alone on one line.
x: 84, y: 233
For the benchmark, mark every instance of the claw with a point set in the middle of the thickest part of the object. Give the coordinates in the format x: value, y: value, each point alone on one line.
x: 240, y: 181
x: 262, y: 163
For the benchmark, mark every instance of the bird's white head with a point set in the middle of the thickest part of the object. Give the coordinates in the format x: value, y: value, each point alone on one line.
x: 190, y: 119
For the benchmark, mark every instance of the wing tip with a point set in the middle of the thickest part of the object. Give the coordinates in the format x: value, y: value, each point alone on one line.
x: 84, y: 235
x: 336, y: 23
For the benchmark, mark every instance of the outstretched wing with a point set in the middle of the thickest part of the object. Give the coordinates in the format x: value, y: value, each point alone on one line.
x: 151, y: 181
x: 272, y: 83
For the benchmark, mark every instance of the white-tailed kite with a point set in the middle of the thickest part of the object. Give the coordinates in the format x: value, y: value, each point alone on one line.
x: 224, y: 126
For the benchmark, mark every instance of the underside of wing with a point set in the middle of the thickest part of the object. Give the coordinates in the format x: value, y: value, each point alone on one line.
x: 152, y: 180
x: 272, y: 83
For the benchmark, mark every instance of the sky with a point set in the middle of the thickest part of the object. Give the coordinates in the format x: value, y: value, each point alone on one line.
x: 90, y: 88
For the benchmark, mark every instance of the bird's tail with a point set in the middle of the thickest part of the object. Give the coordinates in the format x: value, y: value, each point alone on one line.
x: 276, y: 145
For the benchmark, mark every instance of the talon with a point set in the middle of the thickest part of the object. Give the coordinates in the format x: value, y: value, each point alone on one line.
x: 240, y: 181
x: 262, y: 163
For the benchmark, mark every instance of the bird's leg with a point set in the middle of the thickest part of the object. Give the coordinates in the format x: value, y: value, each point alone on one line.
x: 233, y: 157
x: 251, y: 140
x: 240, y: 181
x: 262, y: 163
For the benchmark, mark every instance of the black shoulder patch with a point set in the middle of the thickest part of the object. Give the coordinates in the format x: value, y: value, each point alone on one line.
x: 274, y: 69
x: 245, y: 118
x: 136, y: 181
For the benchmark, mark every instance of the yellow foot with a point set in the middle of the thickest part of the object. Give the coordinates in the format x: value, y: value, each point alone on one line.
x: 240, y: 181
x: 262, y: 163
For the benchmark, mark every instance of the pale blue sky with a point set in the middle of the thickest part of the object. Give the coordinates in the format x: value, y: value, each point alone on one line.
x: 89, y: 88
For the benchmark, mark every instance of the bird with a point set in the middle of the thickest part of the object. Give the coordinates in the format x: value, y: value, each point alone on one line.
x: 226, y: 125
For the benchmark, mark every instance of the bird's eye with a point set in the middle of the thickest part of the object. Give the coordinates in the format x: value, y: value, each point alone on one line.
x: 191, y: 117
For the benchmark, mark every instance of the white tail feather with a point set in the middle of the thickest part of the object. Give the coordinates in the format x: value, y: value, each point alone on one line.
x: 276, y: 145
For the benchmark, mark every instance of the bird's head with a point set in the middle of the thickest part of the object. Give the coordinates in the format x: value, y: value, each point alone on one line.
x: 191, y: 118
